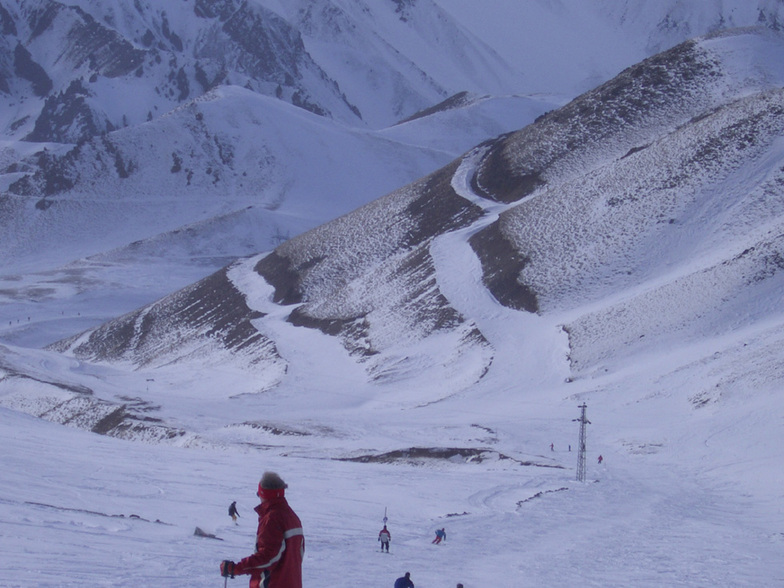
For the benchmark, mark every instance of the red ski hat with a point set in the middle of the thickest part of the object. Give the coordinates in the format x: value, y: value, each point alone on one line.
x: 271, y: 486
x: 267, y: 493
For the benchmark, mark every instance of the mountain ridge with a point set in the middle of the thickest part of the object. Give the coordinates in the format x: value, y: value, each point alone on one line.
x: 369, y: 278
x: 69, y: 208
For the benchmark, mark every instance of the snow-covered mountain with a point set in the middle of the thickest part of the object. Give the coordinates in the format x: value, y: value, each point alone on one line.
x: 585, y: 215
x: 132, y: 128
x: 423, y: 350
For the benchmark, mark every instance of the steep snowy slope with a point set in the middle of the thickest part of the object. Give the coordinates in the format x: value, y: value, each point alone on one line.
x: 695, y: 200
x: 570, y: 46
x: 112, y: 78
x: 597, y: 213
x: 395, y: 58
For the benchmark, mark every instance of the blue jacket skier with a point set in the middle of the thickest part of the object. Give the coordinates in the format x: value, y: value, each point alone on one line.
x: 404, y: 581
x: 440, y: 536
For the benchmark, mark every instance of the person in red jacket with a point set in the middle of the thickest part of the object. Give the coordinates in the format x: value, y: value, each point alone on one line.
x: 280, y: 542
x: 384, y: 536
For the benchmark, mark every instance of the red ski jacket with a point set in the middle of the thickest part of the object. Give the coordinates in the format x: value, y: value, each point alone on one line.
x: 280, y: 546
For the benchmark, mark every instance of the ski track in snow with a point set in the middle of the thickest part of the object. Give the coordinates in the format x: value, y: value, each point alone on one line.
x: 532, y: 342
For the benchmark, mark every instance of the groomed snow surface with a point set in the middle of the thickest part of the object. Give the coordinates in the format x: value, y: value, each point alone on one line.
x: 683, y: 498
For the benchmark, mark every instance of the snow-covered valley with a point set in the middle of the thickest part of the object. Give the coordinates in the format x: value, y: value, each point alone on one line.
x: 410, y: 326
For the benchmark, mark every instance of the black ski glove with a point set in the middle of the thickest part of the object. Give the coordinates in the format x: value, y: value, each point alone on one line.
x: 227, y: 568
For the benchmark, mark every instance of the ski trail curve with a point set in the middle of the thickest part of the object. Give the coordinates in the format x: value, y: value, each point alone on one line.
x: 536, y: 344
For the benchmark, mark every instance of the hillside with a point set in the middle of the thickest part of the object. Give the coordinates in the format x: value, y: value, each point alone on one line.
x: 416, y: 347
x: 423, y: 352
x: 584, y: 215
x: 155, y: 130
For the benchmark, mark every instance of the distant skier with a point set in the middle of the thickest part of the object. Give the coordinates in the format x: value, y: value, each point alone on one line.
x: 552, y: 447
x: 601, y: 459
x: 404, y: 581
x: 233, y: 512
x: 384, y: 537
x: 440, y: 536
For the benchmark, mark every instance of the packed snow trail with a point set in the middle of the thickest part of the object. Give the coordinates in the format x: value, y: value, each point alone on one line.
x: 536, y: 345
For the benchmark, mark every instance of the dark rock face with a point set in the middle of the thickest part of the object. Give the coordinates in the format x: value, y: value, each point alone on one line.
x: 103, y: 50
x: 67, y: 117
x: 262, y: 45
x: 240, y: 43
x: 7, y: 25
x: 55, y: 174
x: 89, y: 49
x: 502, y: 264
x: 25, y: 67
x: 268, y: 48
x: 278, y: 271
x: 90, y: 43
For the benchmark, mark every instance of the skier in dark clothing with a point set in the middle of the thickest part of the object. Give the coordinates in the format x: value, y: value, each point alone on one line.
x: 404, y: 581
x: 384, y: 537
x: 233, y: 512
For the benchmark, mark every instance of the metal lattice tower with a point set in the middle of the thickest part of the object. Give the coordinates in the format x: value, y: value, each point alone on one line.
x: 581, y: 445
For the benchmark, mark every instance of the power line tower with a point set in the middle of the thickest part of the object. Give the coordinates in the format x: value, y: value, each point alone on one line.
x: 581, y: 445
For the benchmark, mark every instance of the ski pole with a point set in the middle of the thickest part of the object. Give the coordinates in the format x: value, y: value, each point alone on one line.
x: 226, y: 572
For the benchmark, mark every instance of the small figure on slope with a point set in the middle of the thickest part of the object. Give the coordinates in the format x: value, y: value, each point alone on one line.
x: 404, y: 581
x: 233, y: 512
x: 280, y: 542
x: 440, y: 536
x: 384, y: 537
x: 601, y: 459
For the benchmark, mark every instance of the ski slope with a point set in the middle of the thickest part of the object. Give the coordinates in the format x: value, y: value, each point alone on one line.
x: 689, y: 492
